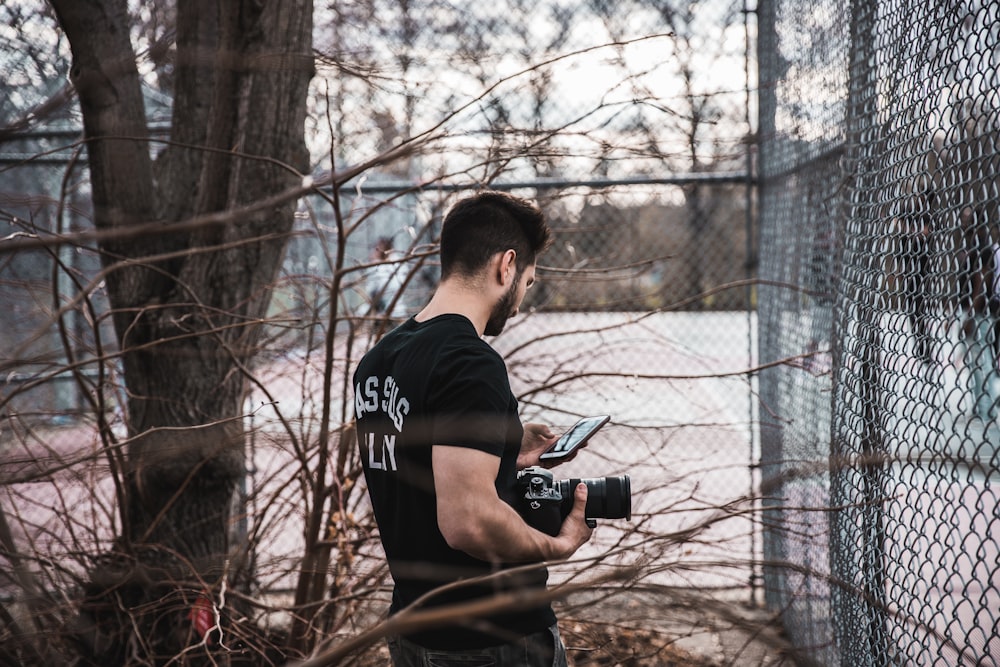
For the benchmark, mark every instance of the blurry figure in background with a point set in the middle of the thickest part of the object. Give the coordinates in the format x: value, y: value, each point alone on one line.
x: 916, y: 267
x: 385, y: 281
x: 979, y: 267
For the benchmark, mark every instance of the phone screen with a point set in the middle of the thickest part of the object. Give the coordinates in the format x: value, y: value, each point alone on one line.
x: 575, y: 437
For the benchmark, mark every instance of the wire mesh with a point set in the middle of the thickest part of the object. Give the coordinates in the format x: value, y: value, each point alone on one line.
x: 879, y: 190
x: 611, y: 327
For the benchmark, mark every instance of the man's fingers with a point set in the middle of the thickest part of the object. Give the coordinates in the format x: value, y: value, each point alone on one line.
x: 571, y: 528
x: 580, y: 499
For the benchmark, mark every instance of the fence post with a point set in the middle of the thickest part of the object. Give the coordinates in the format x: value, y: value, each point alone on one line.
x: 857, y: 463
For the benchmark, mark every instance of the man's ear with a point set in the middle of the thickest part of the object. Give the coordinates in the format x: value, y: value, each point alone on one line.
x: 507, y: 267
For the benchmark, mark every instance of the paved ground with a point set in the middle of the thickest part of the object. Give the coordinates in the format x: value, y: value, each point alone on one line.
x: 680, y: 628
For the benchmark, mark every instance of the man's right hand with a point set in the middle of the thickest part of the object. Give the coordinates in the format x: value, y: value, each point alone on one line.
x: 575, y: 531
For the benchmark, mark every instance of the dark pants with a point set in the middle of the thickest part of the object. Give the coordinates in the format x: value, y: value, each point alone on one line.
x: 542, y: 649
x: 915, y: 304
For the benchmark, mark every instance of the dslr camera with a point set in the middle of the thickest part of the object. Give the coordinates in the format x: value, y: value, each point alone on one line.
x: 545, y: 502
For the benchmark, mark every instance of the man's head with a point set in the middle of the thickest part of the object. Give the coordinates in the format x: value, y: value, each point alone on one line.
x: 382, y: 248
x: 494, y: 237
x: 487, y: 223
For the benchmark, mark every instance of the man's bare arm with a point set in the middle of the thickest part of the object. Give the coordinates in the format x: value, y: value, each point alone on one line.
x: 472, y: 517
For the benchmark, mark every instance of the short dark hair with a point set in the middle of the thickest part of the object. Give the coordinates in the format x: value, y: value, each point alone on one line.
x: 487, y: 223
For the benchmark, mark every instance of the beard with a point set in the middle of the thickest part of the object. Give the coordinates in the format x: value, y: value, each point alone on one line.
x: 502, y: 311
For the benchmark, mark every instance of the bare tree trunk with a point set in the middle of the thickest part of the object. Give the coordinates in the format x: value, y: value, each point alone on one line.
x: 186, y: 305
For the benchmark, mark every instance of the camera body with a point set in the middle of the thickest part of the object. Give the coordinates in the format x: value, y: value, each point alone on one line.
x: 545, y: 502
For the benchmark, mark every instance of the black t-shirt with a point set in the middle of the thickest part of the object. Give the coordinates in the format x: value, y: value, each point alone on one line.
x: 438, y: 383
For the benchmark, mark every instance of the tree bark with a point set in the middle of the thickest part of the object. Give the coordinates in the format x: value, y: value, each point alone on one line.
x: 186, y: 306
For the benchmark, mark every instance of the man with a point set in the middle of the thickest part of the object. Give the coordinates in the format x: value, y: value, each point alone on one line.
x: 916, y: 263
x: 979, y: 272
x: 441, y: 441
x: 385, y: 280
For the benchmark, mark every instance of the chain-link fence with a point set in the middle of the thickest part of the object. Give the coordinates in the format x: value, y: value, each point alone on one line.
x: 880, y: 440
x: 607, y: 116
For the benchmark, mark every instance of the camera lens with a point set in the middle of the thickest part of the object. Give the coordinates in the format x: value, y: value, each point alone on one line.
x: 607, y: 497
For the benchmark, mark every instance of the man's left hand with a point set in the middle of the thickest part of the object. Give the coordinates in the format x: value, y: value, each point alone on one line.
x: 537, y: 438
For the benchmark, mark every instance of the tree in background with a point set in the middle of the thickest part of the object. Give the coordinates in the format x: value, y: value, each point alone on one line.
x: 190, y: 244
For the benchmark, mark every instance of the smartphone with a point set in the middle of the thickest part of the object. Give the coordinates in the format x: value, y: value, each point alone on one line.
x: 569, y: 441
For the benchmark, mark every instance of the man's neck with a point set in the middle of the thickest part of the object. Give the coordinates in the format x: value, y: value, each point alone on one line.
x: 451, y: 298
